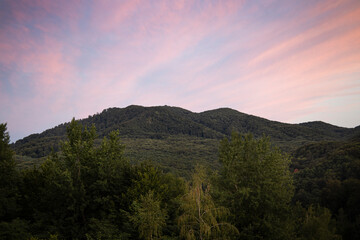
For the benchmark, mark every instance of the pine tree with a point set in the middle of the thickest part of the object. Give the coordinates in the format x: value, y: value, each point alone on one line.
x: 8, y: 177
x: 11, y: 227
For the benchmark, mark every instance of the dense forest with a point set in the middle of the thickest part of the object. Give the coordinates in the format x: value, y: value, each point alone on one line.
x: 178, y: 139
x: 87, y: 186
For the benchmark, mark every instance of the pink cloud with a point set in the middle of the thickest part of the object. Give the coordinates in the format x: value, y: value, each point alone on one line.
x: 122, y: 65
x: 257, y: 78
x: 198, y: 55
x: 305, y: 73
x: 112, y: 14
x: 332, y: 26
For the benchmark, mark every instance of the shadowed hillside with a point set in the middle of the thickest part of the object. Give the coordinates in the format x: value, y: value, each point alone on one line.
x: 176, y: 138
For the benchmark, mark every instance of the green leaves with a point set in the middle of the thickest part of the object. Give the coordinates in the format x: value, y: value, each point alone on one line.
x: 201, y: 217
x: 255, y: 184
x: 78, y: 191
x: 317, y: 224
x: 90, y: 190
x: 9, y: 178
x: 11, y: 227
x: 148, y: 217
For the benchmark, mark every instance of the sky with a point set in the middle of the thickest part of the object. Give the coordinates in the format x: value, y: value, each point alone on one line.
x: 289, y: 61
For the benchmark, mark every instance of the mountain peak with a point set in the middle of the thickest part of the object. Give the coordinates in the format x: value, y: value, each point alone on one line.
x: 166, y: 122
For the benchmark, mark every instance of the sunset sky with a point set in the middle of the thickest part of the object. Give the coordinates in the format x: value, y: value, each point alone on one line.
x: 289, y: 61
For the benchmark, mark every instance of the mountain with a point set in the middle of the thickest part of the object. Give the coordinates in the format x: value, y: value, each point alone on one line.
x: 176, y: 137
x: 325, y: 159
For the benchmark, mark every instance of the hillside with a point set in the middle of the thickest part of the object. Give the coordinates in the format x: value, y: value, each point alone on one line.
x: 324, y: 170
x: 328, y: 173
x: 176, y: 138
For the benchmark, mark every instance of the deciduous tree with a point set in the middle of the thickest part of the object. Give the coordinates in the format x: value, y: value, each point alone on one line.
x: 148, y: 217
x: 201, y: 217
x: 256, y: 185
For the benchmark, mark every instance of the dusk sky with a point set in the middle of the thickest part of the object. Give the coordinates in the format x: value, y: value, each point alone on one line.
x: 289, y: 61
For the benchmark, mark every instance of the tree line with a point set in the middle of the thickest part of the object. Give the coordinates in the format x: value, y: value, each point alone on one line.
x: 91, y: 191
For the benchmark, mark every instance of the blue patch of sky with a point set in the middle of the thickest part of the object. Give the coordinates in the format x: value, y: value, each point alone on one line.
x: 23, y: 88
x: 276, y: 10
x: 158, y: 78
x: 88, y: 54
x: 5, y: 14
x: 161, y: 76
x: 86, y: 13
x: 211, y: 47
x: 282, y: 13
x: 5, y: 84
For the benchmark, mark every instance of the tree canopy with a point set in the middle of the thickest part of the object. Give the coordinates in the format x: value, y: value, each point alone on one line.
x: 90, y: 190
x: 255, y: 183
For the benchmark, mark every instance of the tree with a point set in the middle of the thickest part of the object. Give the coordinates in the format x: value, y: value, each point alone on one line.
x: 11, y: 227
x: 148, y: 217
x: 79, y: 192
x: 201, y: 218
x: 8, y: 177
x: 317, y: 224
x: 100, y: 177
x: 166, y: 188
x: 47, y: 200
x: 256, y: 185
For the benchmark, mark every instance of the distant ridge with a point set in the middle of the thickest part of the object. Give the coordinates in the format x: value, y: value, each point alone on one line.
x: 155, y: 132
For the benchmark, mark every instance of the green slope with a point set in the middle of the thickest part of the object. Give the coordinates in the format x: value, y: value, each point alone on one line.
x: 177, y: 138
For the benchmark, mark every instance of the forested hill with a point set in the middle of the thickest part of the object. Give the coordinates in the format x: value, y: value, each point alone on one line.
x: 161, y: 133
x: 318, y: 198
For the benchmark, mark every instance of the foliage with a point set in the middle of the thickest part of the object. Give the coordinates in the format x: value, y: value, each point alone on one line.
x: 201, y: 218
x: 8, y: 175
x: 255, y: 184
x: 316, y: 224
x: 90, y: 190
x: 179, y: 139
x: 328, y: 174
x: 14, y: 229
x: 164, y: 188
x: 78, y: 191
x: 10, y: 226
x: 148, y: 217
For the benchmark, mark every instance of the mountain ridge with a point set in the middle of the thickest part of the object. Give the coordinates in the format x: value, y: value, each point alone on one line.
x: 160, y: 133
x: 309, y: 123
x: 127, y: 118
